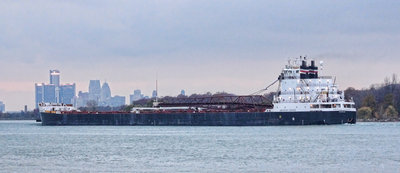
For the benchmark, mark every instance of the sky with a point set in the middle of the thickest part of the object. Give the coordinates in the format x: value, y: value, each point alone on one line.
x: 234, y: 46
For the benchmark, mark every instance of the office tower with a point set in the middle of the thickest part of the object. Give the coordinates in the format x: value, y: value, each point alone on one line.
x: 2, y: 107
x: 105, y: 93
x: 131, y: 98
x: 38, y: 94
x: 45, y: 93
x: 154, y: 94
x: 182, y: 92
x: 137, y: 95
x: 82, y: 99
x: 94, y: 90
x: 117, y: 101
x: 55, y: 77
x: 55, y: 80
x: 67, y: 93
x: 54, y: 92
x: 49, y: 93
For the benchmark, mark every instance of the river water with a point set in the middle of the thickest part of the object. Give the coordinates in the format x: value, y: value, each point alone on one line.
x: 26, y: 146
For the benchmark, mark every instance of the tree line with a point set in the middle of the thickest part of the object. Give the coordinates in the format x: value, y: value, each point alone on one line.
x: 379, y: 101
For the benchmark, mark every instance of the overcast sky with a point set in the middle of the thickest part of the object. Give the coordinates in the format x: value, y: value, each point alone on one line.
x: 224, y: 45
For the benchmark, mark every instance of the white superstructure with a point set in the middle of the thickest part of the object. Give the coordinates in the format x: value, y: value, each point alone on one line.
x: 302, y: 89
x: 56, y: 107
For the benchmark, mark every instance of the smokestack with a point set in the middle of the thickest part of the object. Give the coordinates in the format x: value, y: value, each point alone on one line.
x: 304, y: 64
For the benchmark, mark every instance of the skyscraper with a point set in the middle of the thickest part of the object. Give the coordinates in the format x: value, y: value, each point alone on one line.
x: 137, y: 95
x: 94, y: 90
x: 82, y: 100
x: 105, y: 93
x: 49, y: 93
x: 117, y: 101
x: 55, y: 80
x: 54, y: 92
x: 55, y: 77
x: 182, y: 92
x: 38, y: 94
x: 2, y: 107
x: 154, y: 94
x: 67, y: 93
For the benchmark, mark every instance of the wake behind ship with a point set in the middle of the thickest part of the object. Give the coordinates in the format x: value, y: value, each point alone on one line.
x: 303, y: 98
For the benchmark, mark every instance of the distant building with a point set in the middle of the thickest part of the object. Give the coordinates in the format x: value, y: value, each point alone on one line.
x: 54, y: 92
x: 49, y: 93
x: 2, y: 107
x: 101, y: 95
x: 55, y: 80
x: 117, y: 101
x: 183, y: 92
x: 154, y: 94
x: 55, y: 77
x: 67, y: 93
x: 83, y: 98
x: 137, y: 95
x: 38, y: 94
x: 94, y: 90
x: 26, y: 108
x: 105, y: 94
x: 75, y: 101
x: 45, y: 93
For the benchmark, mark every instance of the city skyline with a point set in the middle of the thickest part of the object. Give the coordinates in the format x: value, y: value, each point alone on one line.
x: 233, y: 46
x: 54, y: 92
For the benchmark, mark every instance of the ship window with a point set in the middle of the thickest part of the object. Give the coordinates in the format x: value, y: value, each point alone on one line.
x: 347, y: 106
x: 314, y: 106
x: 326, y: 106
x: 334, y: 105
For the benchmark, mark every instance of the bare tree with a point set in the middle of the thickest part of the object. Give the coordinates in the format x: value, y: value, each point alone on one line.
x: 386, y: 81
x: 394, y: 78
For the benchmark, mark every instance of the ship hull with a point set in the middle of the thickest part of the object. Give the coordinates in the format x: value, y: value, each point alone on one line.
x: 201, y: 119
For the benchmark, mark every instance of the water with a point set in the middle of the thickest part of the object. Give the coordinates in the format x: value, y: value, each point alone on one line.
x: 25, y: 146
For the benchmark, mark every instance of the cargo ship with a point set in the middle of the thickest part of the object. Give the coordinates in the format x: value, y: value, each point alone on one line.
x: 303, y: 98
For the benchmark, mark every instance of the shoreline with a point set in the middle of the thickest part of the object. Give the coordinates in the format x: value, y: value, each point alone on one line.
x: 358, y: 120
x: 379, y: 120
